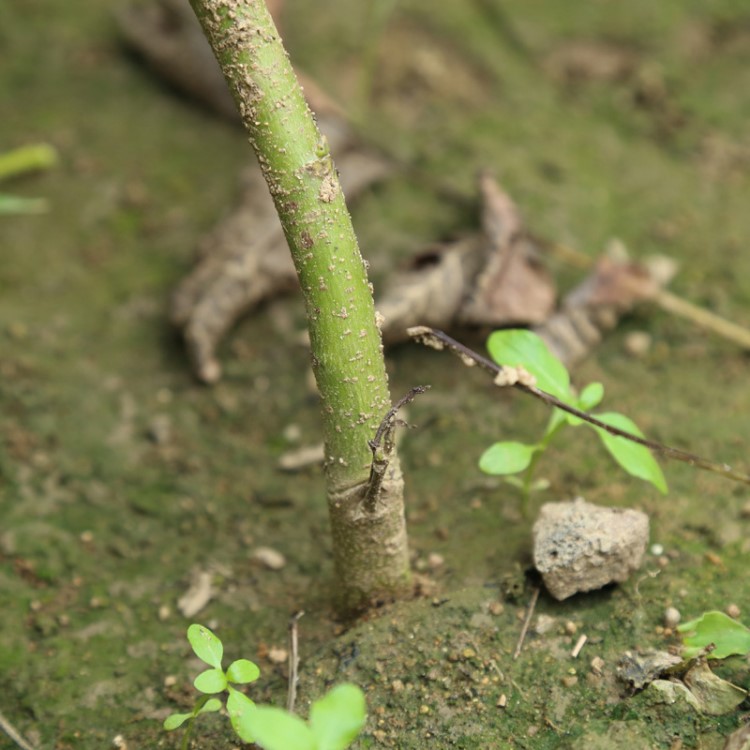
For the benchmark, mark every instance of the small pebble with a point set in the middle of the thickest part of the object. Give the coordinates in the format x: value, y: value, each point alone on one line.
x: 672, y: 617
x: 435, y: 560
x: 733, y: 611
x: 397, y: 686
x: 86, y: 537
x: 502, y: 701
x: 424, y: 709
x: 277, y: 655
x: 496, y: 608
x: 269, y: 558
x: 570, y: 627
x: 569, y: 680
x: 544, y: 624
x: 597, y: 665
x: 637, y: 343
x: 164, y: 613
x: 170, y: 681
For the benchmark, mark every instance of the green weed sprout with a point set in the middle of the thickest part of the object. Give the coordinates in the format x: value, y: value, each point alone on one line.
x: 522, y: 348
x: 19, y: 161
x: 727, y: 636
x: 335, y: 722
x: 209, y: 649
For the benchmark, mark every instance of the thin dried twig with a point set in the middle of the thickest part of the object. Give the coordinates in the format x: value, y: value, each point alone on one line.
x: 291, y: 696
x: 527, y: 621
x: 668, y: 301
x: 13, y: 734
x: 381, y: 457
x: 439, y: 340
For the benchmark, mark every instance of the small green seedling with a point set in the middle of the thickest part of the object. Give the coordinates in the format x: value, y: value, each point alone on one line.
x: 209, y: 649
x: 335, y: 722
x: 727, y: 636
x: 17, y: 162
x: 522, y: 348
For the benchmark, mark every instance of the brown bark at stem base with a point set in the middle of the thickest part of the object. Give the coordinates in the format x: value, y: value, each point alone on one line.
x: 370, y: 551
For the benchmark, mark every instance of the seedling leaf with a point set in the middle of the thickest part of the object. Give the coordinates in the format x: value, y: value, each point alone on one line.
x: 519, y: 347
x: 635, y: 459
x: 276, y: 729
x: 175, y: 720
x: 243, y: 671
x: 338, y: 717
x: 239, y: 707
x: 727, y: 635
x: 211, y: 681
x: 506, y: 458
x: 591, y: 396
x: 210, y: 706
x: 206, y: 645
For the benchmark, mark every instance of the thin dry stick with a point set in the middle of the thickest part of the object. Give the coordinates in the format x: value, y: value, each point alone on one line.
x: 10, y: 730
x: 439, y: 340
x: 291, y: 696
x: 381, y: 457
x: 699, y: 316
x: 527, y: 622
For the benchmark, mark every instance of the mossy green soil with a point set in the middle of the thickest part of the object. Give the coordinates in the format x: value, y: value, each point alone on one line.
x: 103, y: 526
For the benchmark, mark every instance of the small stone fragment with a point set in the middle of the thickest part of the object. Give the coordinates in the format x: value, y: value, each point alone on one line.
x: 269, y: 558
x: 198, y: 595
x: 277, y: 655
x: 739, y: 740
x: 496, y: 608
x: 597, y: 665
x: 672, y: 617
x: 544, y: 624
x: 733, y: 611
x: 435, y: 560
x: 502, y: 701
x: 637, y: 343
x: 581, y: 547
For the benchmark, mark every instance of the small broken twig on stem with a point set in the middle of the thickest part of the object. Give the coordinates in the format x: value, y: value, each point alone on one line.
x: 291, y: 696
x: 440, y: 340
x: 380, y: 457
x: 527, y: 621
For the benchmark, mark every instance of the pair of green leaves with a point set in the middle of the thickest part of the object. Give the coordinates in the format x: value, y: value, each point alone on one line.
x: 209, y: 649
x: 335, y: 720
x: 524, y: 348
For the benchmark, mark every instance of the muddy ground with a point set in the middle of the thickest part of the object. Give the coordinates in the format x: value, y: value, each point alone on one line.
x: 121, y: 477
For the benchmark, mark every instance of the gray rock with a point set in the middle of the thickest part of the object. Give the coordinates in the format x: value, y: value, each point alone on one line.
x: 580, y: 547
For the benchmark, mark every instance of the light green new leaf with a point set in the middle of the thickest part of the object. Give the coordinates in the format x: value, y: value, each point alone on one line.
x: 526, y: 349
x: 239, y: 707
x: 211, y: 681
x: 207, y: 646
x: 591, y: 396
x: 635, y: 459
x: 506, y: 458
x: 729, y: 636
x: 175, y: 720
x: 276, y: 729
x: 338, y: 717
x: 243, y: 671
x: 210, y: 706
